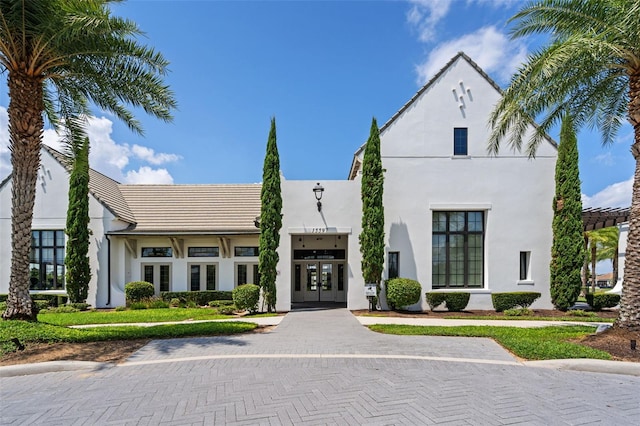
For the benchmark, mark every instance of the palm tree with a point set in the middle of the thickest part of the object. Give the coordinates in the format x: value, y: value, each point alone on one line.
x: 61, y: 56
x: 604, y: 246
x: 590, y: 68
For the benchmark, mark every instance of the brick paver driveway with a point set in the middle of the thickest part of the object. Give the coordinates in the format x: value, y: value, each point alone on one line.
x: 321, y: 367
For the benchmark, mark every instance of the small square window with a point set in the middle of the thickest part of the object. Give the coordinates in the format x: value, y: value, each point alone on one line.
x: 460, y: 135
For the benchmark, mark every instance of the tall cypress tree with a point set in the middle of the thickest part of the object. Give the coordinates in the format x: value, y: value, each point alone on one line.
x: 372, y: 235
x: 270, y: 220
x: 77, y: 260
x: 567, y: 250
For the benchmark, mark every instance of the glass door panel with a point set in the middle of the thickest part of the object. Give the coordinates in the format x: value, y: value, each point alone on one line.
x: 326, y: 288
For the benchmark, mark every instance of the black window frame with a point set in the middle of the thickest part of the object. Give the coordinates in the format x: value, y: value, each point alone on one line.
x: 246, y: 251
x: 148, y: 252
x: 212, y: 251
x: 460, y: 141
x: 36, y: 256
x: 525, y: 262
x: 465, y: 232
x: 393, y: 265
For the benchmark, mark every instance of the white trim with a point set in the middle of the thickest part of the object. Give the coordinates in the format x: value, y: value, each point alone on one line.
x: 525, y: 282
x: 462, y: 290
x: 324, y: 230
x: 459, y: 206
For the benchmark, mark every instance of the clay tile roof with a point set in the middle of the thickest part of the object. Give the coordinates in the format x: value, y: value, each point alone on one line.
x: 193, y: 208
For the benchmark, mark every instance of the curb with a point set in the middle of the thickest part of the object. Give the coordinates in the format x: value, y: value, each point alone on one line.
x: 51, y: 367
x: 589, y: 365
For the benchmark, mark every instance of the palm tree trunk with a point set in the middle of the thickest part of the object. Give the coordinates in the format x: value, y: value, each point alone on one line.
x: 629, y: 314
x: 25, y: 135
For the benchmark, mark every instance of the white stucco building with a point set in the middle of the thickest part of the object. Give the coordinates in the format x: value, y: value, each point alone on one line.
x: 456, y: 218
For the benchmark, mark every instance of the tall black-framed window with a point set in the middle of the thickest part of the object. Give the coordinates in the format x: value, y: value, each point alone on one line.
x: 460, y: 143
x: 525, y: 261
x: 393, y: 264
x: 46, y: 263
x: 457, y: 249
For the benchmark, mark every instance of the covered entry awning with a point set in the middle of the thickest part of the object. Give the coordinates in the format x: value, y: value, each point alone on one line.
x: 598, y: 218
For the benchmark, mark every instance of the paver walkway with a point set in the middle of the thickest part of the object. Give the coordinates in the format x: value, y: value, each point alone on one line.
x: 321, y: 367
x: 322, y: 332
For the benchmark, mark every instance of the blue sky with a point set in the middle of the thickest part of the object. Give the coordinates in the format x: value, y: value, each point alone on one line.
x: 323, y: 69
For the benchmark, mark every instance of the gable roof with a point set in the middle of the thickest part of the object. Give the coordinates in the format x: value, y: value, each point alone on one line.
x: 103, y: 188
x: 188, y: 209
x: 355, y: 164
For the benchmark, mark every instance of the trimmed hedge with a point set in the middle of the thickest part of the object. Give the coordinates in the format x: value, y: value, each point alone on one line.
x: 137, y: 291
x: 246, y: 297
x: 454, y: 301
x: 504, y: 301
x: 600, y: 301
x: 402, y: 292
x: 201, y: 298
x: 51, y: 298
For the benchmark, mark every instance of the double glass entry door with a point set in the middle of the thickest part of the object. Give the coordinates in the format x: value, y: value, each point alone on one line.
x: 320, y: 280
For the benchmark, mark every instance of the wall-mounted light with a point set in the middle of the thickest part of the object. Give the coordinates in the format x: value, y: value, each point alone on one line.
x: 256, y: 222
x: 317, y: 191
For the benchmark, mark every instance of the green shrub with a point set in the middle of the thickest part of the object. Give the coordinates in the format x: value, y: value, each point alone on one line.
x: 53, y: 299
x: 581, y: 313
x: 3, y: 306
x: 454, y: 301
x: 157, y: 303
x: 601, y: 301
x: 201, y: 298
x: 510, y: 300
x: 175, y: 302
x: 219, y: 303
x: 80, y: 306
x: 520, y: 312
x: 226, y: 310
x: 137, y: 291
x: 246, y: 297
x: 121, y: 308
x: 402, y: 292
x: 64, y: 309
x: 435, y: 299
x: 457, y: 301
x: 41, y: 305
x: 191, y: 304
x: 134, y: 306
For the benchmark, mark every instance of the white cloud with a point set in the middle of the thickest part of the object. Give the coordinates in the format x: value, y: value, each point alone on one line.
x: 614, y: 195
x: 106, y: 156
x: 491, y: 49
x: 147, y: 175
x: 605, y: 159
x: 424, y: 16
x: 149, y: 155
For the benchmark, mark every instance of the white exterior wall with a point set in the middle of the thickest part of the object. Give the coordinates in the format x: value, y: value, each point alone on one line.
x: 422, y: 176
x: 50, y: 213
x: 340, y: 215
x: 126, y: 268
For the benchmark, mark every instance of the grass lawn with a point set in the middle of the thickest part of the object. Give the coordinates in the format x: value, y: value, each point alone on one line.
x: 527, y: 343
x: 129, y: 316
x: 38, y: 332
x: 594, y: 318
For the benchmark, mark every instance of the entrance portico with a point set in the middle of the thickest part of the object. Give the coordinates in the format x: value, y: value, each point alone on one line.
x: 319, y: 268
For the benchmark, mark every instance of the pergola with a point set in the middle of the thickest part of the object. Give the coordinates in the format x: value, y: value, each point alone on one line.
x: 598, y: 218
